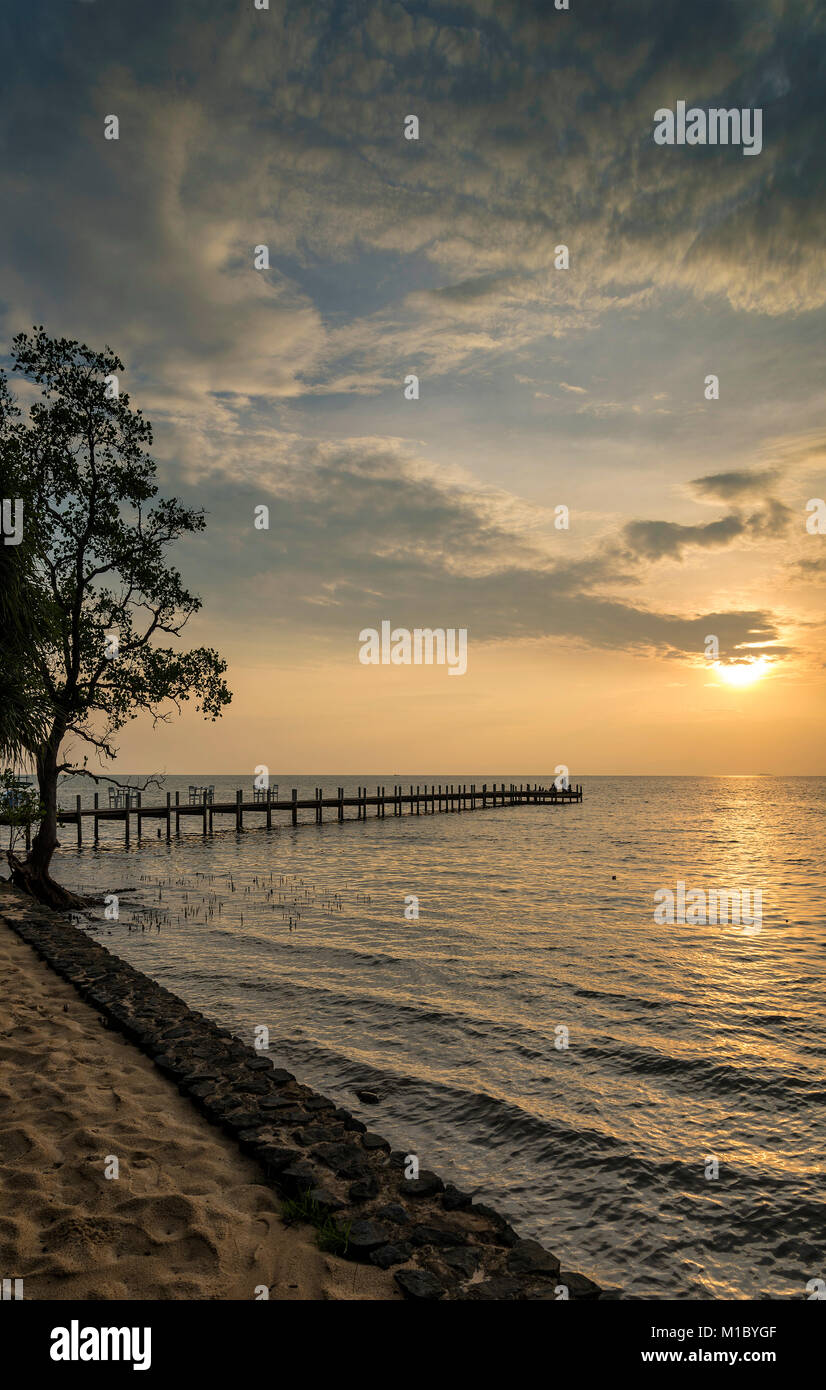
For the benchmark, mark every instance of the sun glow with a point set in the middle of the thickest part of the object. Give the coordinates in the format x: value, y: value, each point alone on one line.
x: 744, y: 673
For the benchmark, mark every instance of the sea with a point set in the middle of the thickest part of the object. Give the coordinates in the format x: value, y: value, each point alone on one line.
x: 645, y: 1096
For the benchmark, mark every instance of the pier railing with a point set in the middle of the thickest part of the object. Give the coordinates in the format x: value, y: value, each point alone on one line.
x: 414, y: 801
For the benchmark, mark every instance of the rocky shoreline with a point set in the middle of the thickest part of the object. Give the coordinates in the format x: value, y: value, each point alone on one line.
x: 439, y: 1243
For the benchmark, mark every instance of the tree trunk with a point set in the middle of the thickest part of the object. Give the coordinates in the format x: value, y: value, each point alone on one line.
x: 31, y: 875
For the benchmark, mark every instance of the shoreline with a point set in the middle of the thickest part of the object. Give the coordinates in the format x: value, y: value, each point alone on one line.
x: 411, y: 1236
x: 188, y: 1216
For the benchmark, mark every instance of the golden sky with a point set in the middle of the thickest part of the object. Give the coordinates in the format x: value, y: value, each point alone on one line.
x: 539, y: 386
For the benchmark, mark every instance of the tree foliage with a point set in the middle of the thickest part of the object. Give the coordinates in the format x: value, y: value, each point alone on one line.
x: 95, y: 566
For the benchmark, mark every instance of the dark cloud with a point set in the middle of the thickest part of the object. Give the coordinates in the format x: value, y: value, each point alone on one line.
x: 654, y: 539
x: 356, y: 537
x: 741, y: 483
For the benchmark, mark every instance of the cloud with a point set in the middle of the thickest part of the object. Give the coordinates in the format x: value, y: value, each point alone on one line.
x: 285, y: 127
x: 655, y: 539
x: 364, y: 531
x: 740, y: 483
x: 435, y: 256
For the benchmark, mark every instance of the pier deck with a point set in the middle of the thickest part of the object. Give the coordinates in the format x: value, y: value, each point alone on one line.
x: 415, y: 801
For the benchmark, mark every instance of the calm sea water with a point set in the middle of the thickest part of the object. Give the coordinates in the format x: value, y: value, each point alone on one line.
x: 685, y: 1043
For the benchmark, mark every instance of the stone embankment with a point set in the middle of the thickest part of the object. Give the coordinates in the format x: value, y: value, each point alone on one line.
x: 439, y: 1243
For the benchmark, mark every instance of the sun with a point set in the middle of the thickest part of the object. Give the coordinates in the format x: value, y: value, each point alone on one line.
x: 744, y: 672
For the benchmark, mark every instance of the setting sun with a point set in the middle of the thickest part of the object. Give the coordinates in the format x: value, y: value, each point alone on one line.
x: 744, y: 673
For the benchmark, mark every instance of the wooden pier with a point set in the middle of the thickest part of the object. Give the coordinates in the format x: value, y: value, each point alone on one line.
x: 398, y: 801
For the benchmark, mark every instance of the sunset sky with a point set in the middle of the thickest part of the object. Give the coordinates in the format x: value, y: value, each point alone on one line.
x: 539, y: 387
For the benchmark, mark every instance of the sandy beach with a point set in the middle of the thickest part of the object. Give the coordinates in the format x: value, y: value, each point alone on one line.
x: 188, y: 1217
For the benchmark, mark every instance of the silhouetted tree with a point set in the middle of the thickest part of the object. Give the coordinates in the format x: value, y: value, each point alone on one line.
x: 97, y: 537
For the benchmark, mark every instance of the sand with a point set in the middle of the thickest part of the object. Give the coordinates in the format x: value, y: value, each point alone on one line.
x: 189, y: 1216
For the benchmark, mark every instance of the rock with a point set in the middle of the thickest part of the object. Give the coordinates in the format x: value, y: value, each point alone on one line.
x: 453, y: 1199
x: 436, y: 1235
x: 374, y: 1141
x: 503, y: 1232
x: 364, y: 1190
x: 419, y: 1283
x: 499, y: 1288
x: 250, y: 1140
x: 388, y: 1255
x: 427, y: 1184
x: 275, y: 1158
x: 462, y: 1258
x: 578, y: 1286
x: 168, y: 1065
x: 313, y: 1134
x: 299, y: 1177
x: 254, y: 1087
x: 345, y: 1159
x: 364, y: 1236
x: 318, y: 1103
x: 347, y: 1120
x: 272, y: 1103
x: 529, y: 1257
x: 368, y: 1097
x: 393, y: 1211
x: 237, y: 1120
x: 293, y: 1117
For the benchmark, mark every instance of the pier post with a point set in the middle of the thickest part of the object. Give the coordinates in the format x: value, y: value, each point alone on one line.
x: 320, y: 808
x: 168, y: 817
x: 205, y: 813
x: 177, y: 816
x: 340, y: 807
x: 96, y: 822
x: 294, y: 807
x: 79, y: 824
x: 379, y: 803
x: 269, y: 806
x: 126, y: 823
x: 239, y: 810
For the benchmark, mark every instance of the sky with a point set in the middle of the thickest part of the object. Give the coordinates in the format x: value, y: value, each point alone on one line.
x: 540, y: 387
